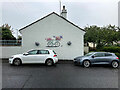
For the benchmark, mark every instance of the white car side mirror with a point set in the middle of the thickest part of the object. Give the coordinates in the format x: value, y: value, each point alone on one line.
x: 25, y: 54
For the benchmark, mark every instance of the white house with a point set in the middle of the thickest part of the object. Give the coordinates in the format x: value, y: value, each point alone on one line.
x: 54, y: 32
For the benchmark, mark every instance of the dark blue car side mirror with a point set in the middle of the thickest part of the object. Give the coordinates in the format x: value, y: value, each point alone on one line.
x: 93, y: 56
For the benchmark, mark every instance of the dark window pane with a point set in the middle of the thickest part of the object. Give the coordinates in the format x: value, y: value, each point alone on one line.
x: 99, y: 55
x: 108, y: 54
x: 43, y: 52
x: 33, y: 52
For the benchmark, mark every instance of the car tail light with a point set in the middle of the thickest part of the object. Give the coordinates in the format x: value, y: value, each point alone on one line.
x: 117, y: 58
x: 54, y: 55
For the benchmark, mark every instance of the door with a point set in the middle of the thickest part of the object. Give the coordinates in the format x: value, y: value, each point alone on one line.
x: 108, y: 57
x: 31, y: 57
x: 99, y: 58
x: 43, y: 54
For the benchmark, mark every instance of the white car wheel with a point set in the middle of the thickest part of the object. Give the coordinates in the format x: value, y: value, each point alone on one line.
x: 17, y: 62
x: 86, y: 64
x: 49, y: 62
x: 115, y: 64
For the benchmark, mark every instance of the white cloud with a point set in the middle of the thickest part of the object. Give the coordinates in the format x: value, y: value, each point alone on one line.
x: 19, y: 13
x: 59, y: 0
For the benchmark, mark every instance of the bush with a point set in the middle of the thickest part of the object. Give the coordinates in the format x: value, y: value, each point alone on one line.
x: 99, y: 46
x: 92, y: 49
x: 118, y: 54
x: 111, y: 49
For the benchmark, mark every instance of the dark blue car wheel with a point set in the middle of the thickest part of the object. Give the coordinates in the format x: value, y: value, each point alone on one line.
x: 115, y: 64
x: 86, y: 63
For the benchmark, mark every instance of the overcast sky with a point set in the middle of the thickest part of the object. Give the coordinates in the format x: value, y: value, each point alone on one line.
x: 19, y: 13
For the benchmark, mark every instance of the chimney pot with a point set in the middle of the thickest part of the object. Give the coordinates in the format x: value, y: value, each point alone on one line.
x: 64, y: 12
x: 63, y: 7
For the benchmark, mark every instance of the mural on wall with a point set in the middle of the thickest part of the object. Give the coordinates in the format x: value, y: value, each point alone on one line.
x: 54, y: 41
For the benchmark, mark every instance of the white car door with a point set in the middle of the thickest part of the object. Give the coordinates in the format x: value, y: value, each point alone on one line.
x: 32, y: 57
x: 43, y: 54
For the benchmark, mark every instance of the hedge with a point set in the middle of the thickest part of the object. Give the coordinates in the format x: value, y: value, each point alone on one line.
x: 114, y: 49
x: 111, y: 49
x: 118, y: 54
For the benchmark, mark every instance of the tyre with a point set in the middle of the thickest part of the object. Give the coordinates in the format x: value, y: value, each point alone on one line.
x: 115, y: 64
x: 17, y: 62
x: 49, y: 62
x: 86, y: 63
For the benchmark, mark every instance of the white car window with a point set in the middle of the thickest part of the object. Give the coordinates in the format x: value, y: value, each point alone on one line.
x: 43, y: 52
x: 33, y: 52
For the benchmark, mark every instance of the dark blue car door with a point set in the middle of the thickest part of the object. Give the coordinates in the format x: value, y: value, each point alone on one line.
x: 99, y: 58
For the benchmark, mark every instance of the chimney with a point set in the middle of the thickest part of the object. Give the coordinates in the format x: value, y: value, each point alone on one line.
x: 64, y: 12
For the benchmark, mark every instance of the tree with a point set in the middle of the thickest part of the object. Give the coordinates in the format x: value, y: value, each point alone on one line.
x: 5, y: 33
x: 19, y: 38
x: 6, y: 26
x: 102, y: 35
x: 110, y: 34
x: 92, y: 34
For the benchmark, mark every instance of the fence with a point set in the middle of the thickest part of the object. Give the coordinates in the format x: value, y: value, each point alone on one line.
x: 10, y: 42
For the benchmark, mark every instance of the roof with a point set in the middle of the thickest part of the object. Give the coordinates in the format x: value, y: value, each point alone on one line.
x: 49, y: 15
x: 100, y: 52
x: 39, y: 49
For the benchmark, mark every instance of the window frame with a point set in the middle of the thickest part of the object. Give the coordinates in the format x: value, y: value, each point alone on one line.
x: 43, y: 53
x: 108, y: 54
x: 100, y: 56
x: 31, y: 51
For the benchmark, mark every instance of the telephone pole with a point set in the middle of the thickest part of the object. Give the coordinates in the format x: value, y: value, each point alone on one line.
x: 60, y: 6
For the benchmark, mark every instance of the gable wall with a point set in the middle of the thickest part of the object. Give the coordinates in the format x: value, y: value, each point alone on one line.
x: 54, y: 26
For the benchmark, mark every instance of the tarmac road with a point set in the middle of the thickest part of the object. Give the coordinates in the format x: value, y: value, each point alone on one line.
x: 62, y: 75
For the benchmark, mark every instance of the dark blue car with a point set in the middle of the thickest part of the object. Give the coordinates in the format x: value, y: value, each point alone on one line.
x: 97, y: 58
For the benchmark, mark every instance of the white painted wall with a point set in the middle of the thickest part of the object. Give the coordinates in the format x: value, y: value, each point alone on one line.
x: 50, y: 26
x: 9, y: 51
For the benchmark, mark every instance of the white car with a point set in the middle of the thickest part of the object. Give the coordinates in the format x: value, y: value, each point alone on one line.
x: 46, y: 56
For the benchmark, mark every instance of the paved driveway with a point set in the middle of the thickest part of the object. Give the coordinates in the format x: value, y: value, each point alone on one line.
x: 63, y: 75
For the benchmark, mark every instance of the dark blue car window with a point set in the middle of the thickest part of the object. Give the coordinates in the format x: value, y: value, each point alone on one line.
x: 99, y: 55
x: 108, y: 54
x: 89, y: 54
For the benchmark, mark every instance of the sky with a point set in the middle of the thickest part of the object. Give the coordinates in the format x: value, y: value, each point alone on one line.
x: 19, y: 13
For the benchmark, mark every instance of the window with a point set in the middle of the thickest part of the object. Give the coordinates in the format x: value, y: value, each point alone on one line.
x: 99, y: 55
x: 108, y: 54
x: 43, y: 52
x: 33, y: 52
x: 89, y: 54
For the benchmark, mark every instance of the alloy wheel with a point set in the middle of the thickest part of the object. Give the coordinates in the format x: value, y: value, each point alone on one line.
x: 49, y: 62
x: 86, y: 63
x: 17, y: 62
x: 115, y: 64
